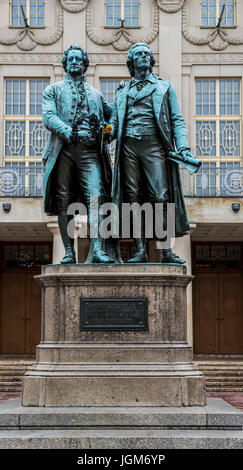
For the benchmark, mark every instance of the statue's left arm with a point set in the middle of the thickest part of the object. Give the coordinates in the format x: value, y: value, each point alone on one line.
x: 177, y: 121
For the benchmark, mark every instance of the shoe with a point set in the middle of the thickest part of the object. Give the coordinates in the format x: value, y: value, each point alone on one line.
x: 169, y: 257
x: 100, y: 256
x: 69, y: 257
x: 139, y: 257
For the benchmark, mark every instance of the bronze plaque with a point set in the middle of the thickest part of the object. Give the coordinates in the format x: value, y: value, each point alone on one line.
x: 115, y: 314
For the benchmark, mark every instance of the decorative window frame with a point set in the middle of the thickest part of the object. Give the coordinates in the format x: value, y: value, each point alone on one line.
x: 218, y: 118
x: 234, y: 26
x: 27, y: 15
x: 27, y: 158
x: 125, y: 26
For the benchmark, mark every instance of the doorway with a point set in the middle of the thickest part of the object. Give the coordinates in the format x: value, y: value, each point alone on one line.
x: 217, y: 298
x: 20, y: 328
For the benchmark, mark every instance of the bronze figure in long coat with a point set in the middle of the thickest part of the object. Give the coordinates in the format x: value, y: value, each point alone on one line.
x: 166, y: 126
x: 75, y: 113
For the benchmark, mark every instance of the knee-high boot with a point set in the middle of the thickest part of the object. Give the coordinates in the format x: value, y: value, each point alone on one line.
x: 140, y: 255
x: 167, y: 254
x: 68, y: 242
x: 98, y: 253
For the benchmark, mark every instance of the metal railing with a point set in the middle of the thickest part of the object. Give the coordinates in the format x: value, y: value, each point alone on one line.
x: 212, y: 181
x: 16, y: 179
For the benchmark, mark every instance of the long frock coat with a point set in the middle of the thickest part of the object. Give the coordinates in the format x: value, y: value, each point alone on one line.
x: 172, y: 131
x: 59, y: 106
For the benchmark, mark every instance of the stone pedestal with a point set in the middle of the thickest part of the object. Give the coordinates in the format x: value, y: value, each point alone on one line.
x: 114, y: 368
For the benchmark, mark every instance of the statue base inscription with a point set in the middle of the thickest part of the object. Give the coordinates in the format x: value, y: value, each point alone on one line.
x: 114, y: 335
x: 114, y: 314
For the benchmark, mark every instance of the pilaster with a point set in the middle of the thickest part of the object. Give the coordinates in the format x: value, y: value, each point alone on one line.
x: 170, y: 48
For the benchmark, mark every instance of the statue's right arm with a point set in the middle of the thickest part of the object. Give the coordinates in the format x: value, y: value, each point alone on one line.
x: 114, y: 121
x: 49, y: 115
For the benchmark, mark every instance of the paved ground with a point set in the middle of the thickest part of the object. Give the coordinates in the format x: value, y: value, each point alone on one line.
x: 234, y: 398
x: 6, y: 395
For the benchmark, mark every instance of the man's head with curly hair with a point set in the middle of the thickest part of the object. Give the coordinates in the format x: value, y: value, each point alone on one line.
x: 84, y: 55
x: 131, y: 51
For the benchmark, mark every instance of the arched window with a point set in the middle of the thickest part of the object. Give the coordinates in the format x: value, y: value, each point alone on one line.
x: 211, y: 10
x: 117, y: 11
x: 33, y: 10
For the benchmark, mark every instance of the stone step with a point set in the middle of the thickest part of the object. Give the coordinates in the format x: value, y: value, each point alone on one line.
x: 224, y: 378
x: 217, y: 366
x: 20, y: 366
x: 224, y: 389
x: 223, y: 383
x: 217, y: 425
x: 224, y: 369
x: 10, y: 386
x: 12, y: 372
x: 11, y: 378
x: 222, y: 375
x: 121, y: 439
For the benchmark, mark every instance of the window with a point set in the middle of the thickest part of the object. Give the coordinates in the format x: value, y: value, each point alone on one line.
x: 25, y: 135
x: 25, y: 254
x: 108, y: 88
x: 218, y: 119
x: 117, y: 10
x: 211, y: 10
x: 218, y: 133
x: 217, y: 255
x: 33, y: 10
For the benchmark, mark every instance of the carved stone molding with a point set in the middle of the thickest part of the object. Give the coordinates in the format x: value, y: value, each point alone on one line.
x: 56, y: 59
x: 112, y: 58
x: 27, y: 39
x: 170, y: 6
x: 217, y: 40
x: 32, y: 58
x: 212, y: 58
x: 122, y: 38
x: 74, y: 6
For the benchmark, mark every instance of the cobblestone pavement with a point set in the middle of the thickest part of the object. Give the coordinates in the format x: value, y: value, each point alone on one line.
x: 234, y: 398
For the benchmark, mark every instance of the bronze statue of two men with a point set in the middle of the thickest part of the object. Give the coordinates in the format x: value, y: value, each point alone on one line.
x: 147, y: 123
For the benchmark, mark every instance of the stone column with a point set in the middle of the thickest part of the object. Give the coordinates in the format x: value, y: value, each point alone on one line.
x: 58, y: 248
x: 170, y: 45
x: 182, y: 248
x: 186, y: 72
x: 74, y: 29
x: 58, y: 71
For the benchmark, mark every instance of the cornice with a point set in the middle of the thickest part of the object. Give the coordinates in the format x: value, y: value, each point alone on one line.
x: 56, y: 59
x: 212, y: 58
x: 30, y: 58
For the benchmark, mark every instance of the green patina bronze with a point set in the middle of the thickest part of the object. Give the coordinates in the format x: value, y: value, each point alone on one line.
x: 151, y: 140
x: 75, y: 113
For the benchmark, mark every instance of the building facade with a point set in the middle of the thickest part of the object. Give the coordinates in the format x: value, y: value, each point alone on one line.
x: 198, y: 46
